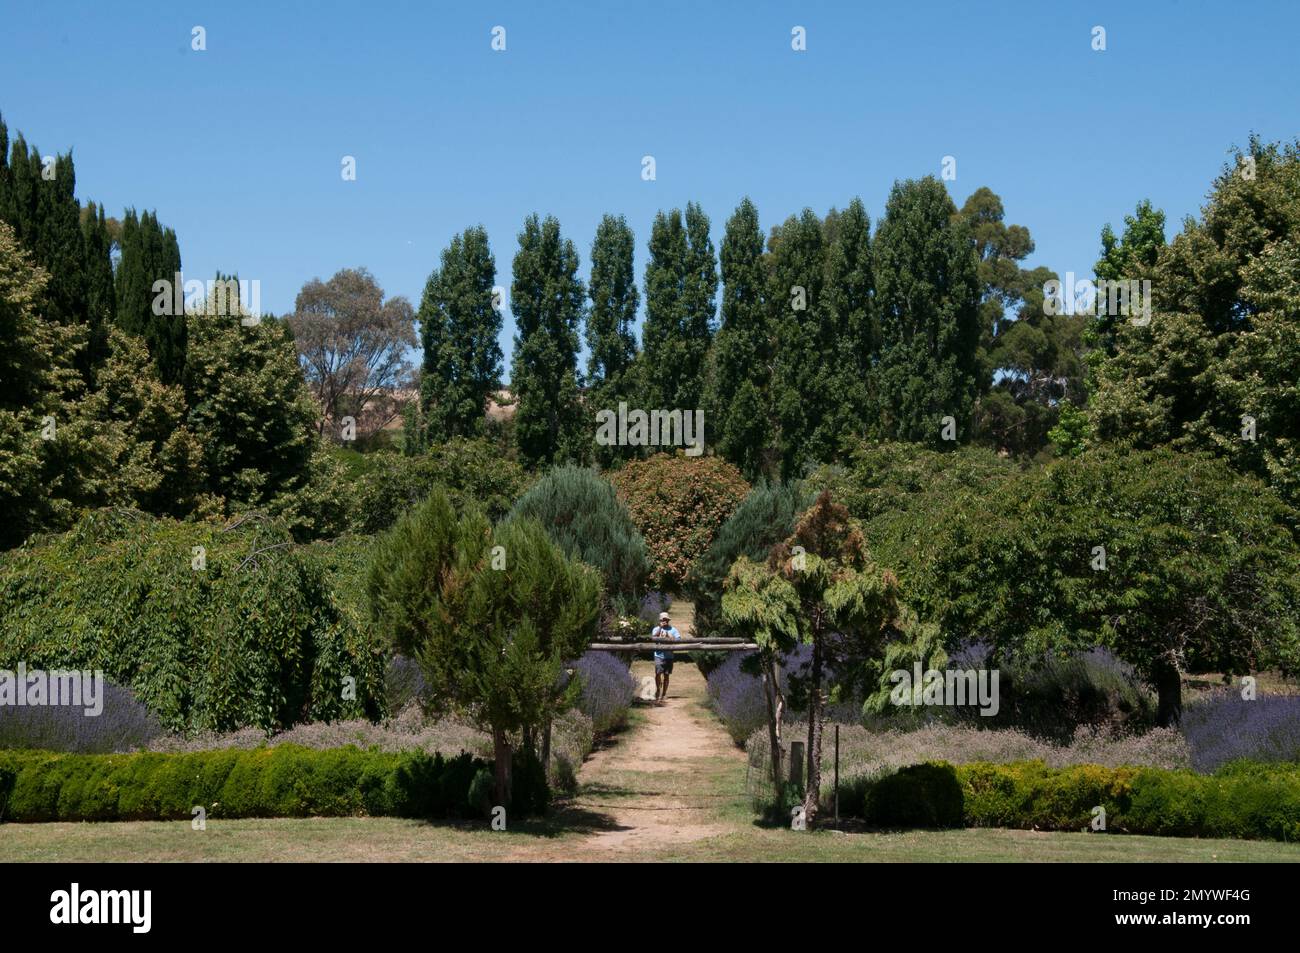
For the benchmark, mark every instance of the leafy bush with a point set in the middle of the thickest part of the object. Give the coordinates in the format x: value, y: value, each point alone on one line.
x: 256, y: 637
x: 285, y: 781
x: 584, y: 517
x: 1244, y: 799
x: 765, y: 517
x: 1225, y: 727
x: 607, y: 688
x: 123, y: 724
x: 678, y: 503
x: 473, y: 471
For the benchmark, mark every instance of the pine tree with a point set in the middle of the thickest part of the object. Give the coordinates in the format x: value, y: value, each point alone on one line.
x: 927, y: 292
x: 459, y: 329
x: 547, y: 299
x: 150, y: 254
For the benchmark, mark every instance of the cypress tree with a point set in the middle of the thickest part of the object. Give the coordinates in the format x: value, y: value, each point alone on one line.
x: 546, y: 298
x: 927, y: 292
x: 101, y: 302
x: 737, y: 412
x: 459, y: 329
x: 149, y: 254
x: 611, y: 342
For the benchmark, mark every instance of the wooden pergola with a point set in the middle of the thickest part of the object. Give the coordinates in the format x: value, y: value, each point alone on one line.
x: 707, y: 644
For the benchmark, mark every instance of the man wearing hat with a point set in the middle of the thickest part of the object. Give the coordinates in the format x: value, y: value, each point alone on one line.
x: 663, y: 660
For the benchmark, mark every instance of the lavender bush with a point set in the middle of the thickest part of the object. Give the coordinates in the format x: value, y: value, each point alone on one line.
x: 607, y: 688
x: 653, y: 603
x: 125, y: 723
x: 1222, y: 727
x: 737, y: 697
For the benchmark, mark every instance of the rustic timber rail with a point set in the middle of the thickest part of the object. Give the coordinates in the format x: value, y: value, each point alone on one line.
x: 719, y: 644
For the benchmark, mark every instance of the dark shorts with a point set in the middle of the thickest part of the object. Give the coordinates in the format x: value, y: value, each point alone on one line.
x: 664, y: 666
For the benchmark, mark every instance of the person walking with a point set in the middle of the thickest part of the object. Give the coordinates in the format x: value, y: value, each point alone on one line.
x: 663, y: 659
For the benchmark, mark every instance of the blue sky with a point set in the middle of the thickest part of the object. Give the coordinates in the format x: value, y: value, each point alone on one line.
x: 239, y: 147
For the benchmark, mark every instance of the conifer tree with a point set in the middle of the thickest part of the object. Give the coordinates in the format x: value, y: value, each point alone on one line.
x: 459, y: 328
x: 151, y: 254
x: 547, y: 299
x: 927, y: 293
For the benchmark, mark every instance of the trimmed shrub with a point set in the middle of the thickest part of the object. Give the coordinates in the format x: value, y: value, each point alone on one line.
x: 584, y: 517
x: 285, y: 781
x: 1243, y: 800
x: 678, y: 503
x: 255, y: 637
x: 922, y: 795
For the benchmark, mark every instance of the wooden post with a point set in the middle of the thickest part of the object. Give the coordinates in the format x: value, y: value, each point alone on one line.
x: 796, y: 764
x: 837, y: 773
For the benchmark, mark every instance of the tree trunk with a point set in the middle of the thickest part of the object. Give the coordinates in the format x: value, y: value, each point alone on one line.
x: 1169, y: 693
x: 546, y: 746
x: 812, y: 790
x: 773, y: 736
x: 501, y: 751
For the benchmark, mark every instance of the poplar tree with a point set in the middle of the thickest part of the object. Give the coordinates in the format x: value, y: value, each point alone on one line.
x: 681, y: 284
x: 611, y: 342
x: 546, y: 299
x: 927, y: 293
x: 737, y: 412
x: 459, y: 329
x: 803, y: 369
x: 850, y: 309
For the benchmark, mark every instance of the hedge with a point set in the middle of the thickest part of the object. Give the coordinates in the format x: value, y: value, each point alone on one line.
x: 1245, y: 799
x: 284, y: 781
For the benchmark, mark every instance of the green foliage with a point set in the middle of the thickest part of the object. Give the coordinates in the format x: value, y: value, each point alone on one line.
x: 256, y: 637
x: 1223, y: 342
x: 738, y: 370
x: 678, y: 503
x: 472, y: 471
x: 765, y: 517
x: 284, y: 781
x: 151, y: 253
x: 1202, y: 566
x: 681, y: 286
x: 582, y: 515
x: 610, y: 334
x: 547, y: 299
x: 1243, y: 800
x: 251, y: 412
x: 458, y: 329
x: 927, y: 295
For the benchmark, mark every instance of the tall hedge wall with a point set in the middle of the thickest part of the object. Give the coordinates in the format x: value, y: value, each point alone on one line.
x: 254, y: 637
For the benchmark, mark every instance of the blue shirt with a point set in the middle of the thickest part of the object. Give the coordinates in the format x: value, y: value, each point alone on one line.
x: 658, y: 633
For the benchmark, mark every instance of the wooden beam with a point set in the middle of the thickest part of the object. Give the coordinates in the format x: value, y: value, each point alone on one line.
x: 672, y: 647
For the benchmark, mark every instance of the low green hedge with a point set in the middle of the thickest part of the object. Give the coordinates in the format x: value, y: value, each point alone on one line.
x: 284, y: 781
x: 1242, y: 800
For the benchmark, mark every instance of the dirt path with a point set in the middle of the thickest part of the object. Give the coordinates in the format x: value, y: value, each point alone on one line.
x: 667, y: 778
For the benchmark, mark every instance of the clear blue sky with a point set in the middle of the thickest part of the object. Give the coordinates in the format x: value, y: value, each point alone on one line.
x: 239, y: 147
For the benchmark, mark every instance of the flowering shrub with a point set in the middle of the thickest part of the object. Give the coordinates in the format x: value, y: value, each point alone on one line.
x: 678, y: 503
x: 607, y: 688
x: 737, y: 696
x: 1225, y: 727
x: 123, y: 724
